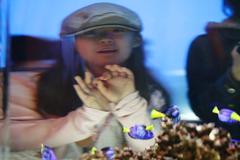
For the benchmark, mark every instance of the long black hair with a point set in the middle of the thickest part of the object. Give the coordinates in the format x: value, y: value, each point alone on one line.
x: 56, y: 95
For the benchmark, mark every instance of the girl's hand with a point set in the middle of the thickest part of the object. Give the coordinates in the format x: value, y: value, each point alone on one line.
x: 116, y: 83
x: 89, y: 94
x: 236, y: 62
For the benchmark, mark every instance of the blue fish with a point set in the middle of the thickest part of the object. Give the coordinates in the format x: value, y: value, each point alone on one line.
x: 140, y: 132
x: 226, y: 115
x: 47, y: 153
x: 171, y: 112
x: 108, y: 152
x: 237, y: 141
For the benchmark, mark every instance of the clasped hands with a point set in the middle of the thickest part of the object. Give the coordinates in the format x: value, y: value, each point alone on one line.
x: 112, y: 86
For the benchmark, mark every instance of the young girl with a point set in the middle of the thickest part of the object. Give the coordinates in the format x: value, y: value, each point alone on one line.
x: 99, y: 85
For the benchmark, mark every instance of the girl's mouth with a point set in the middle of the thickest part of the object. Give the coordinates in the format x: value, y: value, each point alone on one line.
x: 107, y: 51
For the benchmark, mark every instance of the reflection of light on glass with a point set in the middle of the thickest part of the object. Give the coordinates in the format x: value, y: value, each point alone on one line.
x: 188, y: 115
x: 4, y: 45
x: 178, y: 89
x: 4, y: 49
x: 3, y: 35
x: 176, y: 72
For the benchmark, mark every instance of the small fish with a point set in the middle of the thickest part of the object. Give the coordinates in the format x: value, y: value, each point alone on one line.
x: 47, y: 153
x: 171, y: 112
x: 140, y: 132
x: 237, y: 141
x: 108, y: 152
x: 174, y: 113
x: 226, y: 115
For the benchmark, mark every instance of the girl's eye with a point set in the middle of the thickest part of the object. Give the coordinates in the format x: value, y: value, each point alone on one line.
x: 114, y: 32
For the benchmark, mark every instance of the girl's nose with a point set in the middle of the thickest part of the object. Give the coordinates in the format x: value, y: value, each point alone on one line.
x: 106, y: 41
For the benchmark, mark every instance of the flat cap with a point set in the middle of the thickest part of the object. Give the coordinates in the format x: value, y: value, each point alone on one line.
x: 100, y: 15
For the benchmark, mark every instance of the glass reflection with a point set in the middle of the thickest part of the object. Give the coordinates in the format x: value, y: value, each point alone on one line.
x: 4, y: 69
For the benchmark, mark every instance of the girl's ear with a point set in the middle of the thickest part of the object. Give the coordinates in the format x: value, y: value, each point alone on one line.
x: 137, y: 41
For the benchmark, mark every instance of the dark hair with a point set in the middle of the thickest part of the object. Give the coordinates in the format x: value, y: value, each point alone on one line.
x: 232, y: 8
x: 56, y: 95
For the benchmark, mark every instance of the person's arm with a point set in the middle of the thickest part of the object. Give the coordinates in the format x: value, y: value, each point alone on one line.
x: 130, y: 111
x: 76, y: 126
x: 28, y: 129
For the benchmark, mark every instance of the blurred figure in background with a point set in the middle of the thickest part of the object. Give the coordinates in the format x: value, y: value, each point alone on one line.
x: 213, y: 71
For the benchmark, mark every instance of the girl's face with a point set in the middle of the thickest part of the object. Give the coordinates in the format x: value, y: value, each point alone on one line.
x: 105, y: 46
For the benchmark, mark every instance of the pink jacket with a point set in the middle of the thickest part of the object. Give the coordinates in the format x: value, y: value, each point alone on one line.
x: 28, y: 129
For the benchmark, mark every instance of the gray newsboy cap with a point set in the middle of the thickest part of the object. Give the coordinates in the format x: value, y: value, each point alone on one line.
x: 100, y: 15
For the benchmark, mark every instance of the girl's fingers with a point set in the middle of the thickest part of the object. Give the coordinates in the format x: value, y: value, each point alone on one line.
x: 88, y: 77
x: 123, y: 74
x: 114, y: 70
x: 105, y: 76
x: 115, y: 74
x: 127, y: 72
x: 82, y: 84
x: 121, y: 70
x: 101, y: 87
x: 79, y: 91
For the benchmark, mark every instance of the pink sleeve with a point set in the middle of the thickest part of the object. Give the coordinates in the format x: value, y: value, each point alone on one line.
x: 130, y: 111
x: 28, y: 129
x: 76, y: 126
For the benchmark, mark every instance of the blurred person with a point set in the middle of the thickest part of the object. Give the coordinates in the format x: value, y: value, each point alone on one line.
x: 213, y: 70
